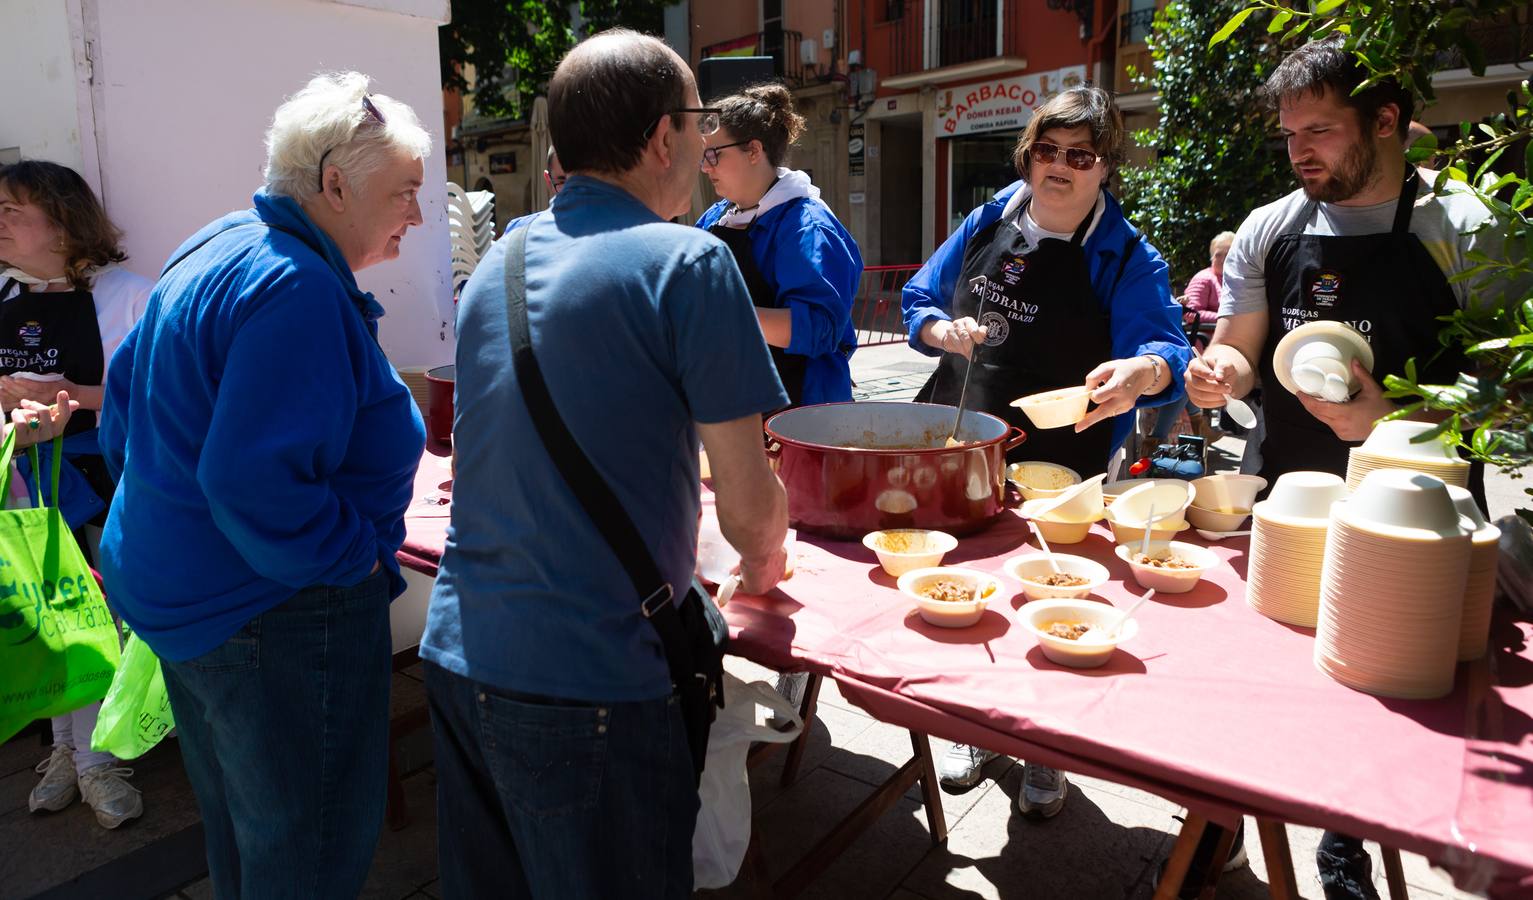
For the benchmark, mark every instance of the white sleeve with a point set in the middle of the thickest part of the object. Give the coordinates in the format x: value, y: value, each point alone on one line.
x: 120, y: 297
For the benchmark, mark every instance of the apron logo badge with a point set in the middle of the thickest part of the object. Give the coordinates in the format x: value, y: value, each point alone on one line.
x: 1012, y: 269
x: 1324, y: 291
x: 31, y: 334
x: 996, y: 328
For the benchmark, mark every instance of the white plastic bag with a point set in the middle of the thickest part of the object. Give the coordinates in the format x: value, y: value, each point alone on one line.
x: 724, y: 818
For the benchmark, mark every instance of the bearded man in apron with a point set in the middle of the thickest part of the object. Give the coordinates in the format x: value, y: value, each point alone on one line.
x: 1364, y: 242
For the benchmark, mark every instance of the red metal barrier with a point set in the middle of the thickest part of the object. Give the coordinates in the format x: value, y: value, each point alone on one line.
x: 876, y: 311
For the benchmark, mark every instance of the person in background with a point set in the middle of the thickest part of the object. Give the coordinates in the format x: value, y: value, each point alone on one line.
x: 267, y: 452
x: 1047, y: 286
x: 801, y: 265
x: 554, y: 177
x: 65, y: 306
x: 1365, y: 241
x: 1200, y: 309
x: 563, y: 768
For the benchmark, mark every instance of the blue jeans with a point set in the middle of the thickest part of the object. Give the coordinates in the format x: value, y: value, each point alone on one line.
x: 284, y: 735
x: 545, y: 798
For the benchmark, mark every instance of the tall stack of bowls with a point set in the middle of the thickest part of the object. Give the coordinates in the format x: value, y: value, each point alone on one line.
x: 1393, y: 445
x: 1288, y: 535
x: 1480, y: 586
x: 1392, y: 587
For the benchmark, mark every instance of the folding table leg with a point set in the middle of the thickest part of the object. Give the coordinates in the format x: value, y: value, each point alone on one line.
x: 1181, y: 856
x: 797, y: 748
x: 931, y: 795
x: 1281, y: 884
x: 1394, y: 873
x: 1211, y: 875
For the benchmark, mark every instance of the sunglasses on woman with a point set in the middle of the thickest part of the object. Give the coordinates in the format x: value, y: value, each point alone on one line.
x: 369, y: 111
x: 1077, y: 158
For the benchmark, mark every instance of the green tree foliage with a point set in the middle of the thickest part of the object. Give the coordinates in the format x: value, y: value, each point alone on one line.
x: 514, y: 45
x: 1488, y: 411
x: 1215, y: 158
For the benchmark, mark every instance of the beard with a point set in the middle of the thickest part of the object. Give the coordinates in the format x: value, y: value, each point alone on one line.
x: 1347, y: 178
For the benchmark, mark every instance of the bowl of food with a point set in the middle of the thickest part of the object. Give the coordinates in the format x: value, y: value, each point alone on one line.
x: 1216, y: 519
x: 900, y: 550
x: 1077, y: 575
x: 1075, y: 632
x: 1054, y: 531
x: 1055, y: 409
x: 1170, y: 567
x: 1041, y: 480
x: 1133, y: 533
x: 948, y: 596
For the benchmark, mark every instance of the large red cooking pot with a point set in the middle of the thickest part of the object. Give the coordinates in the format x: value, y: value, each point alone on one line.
x: 852, y: 468
x: 439, y: 386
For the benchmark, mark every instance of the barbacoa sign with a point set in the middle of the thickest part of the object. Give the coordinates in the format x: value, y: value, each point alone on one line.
x: 1002, y: 104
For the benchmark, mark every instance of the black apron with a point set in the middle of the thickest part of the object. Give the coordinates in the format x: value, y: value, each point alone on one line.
x: 1386, y: 286
x: 1045, y: 330
x: 790, y: 366
x: 53, y: 332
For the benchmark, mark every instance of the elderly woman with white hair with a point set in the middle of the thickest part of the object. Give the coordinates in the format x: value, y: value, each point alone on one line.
x: 266, y: 453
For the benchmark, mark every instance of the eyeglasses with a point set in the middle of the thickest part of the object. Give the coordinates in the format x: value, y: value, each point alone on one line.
x: 369, y: 111
x: 711, y: 154
x: 707, y: 123
x: 554, y: 184
x: 1076, y: 158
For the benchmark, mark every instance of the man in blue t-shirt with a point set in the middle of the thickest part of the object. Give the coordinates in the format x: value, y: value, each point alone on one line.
x: 562, y: 762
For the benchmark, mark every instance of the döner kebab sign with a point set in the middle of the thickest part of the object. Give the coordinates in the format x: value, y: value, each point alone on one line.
x: 1002, y: 104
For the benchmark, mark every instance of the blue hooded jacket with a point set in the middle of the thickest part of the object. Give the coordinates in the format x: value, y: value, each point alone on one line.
x: 261, y: 440
x: 1143, y: 317
x: 812, y: 263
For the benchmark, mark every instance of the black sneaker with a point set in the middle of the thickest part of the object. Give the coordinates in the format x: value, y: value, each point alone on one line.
x: 1346, y: 869
x: 1193, y: 883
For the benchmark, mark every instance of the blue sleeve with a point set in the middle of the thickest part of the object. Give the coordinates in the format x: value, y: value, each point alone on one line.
x: 112, y: 424
x: 726, y: 371
x: 282, y: 421
x: 711, y: 215
x: 1146, y: 320
x: 817, y: 270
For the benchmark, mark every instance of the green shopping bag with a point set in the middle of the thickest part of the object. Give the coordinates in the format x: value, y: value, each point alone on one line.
x: 136, y: 712
x: 58, y: 644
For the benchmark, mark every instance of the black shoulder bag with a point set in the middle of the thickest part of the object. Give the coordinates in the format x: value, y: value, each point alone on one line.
x: 693, y: 632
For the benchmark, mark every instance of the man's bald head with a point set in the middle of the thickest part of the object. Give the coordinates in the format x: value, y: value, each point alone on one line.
x: 607, y: 94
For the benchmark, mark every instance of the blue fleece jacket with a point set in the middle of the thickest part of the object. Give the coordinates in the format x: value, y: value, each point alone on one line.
x: 812, y: 263
x: 262, y: 441
x: 1142, y: 316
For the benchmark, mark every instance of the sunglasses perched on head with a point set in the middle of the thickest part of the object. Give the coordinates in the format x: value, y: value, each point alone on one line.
x: 1077, y: 158
x: 370, y: 111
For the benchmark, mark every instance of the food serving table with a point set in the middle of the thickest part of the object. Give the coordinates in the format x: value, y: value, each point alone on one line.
x: 1211, y: 706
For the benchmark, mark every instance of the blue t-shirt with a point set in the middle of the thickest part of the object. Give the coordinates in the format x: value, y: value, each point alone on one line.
x: 641, y: 328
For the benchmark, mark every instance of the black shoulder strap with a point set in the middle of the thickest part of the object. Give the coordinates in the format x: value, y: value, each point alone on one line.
x: 200, y: 244
x: 595, y: 496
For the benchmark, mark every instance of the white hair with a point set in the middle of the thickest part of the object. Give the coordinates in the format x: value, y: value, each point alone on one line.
x: 328, y: 116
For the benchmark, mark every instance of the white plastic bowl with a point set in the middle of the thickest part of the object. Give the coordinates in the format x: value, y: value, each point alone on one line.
x: 1036, y: 565
x: 1405, y: 499
x: 1227, y: 492
x: 1124, y: 533
x: 950, y: 614
x: 1112, y: 490
x: 1397, y: 440
x: 926, y: 549
x: 1169, y: 499
x: 1216, y: 520
x: 1041, y: 480
x: 1306, y: 495
x: 1056, y: 532
x: 1170, y: 581
x: 1055, y: 409
x: 1091, y: 649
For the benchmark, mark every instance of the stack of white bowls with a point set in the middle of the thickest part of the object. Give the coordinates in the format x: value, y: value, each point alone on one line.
x: 1392, y: 445
x: 1288, y: 532
x: 1480, y: 586
x: 1392, y: 587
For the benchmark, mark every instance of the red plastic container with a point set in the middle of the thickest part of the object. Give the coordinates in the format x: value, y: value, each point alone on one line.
x: 439, y: 387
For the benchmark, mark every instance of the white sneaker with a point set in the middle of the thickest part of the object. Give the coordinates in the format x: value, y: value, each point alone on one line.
x: 963, y: 765
x: 1043, y: 792
x: 107, y: 791
x: 791, y: 686
x: 59, y: 786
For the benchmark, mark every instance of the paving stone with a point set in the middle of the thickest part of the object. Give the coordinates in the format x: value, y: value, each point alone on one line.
x: 832, y: 729
x: 1112, y: 787
x: 875, y: 754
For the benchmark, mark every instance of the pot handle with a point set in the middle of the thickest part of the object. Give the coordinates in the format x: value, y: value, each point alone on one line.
x: 1014, y: 438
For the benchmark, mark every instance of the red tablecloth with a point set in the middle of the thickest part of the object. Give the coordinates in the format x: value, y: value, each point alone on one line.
x: 1211, y: 705
x: 429, y: 513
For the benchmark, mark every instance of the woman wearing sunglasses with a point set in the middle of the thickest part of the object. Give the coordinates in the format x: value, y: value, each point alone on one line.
x: 1044, y: 287
x: 800, y: 265
x: 1048, y: 286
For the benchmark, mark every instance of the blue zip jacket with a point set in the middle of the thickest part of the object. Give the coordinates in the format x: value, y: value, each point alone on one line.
x: 261, y: 440
x: 1143, y: 317
x: 811, y: 261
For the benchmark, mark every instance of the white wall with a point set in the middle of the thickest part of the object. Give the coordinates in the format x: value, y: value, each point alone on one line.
x: 184, y: 90
x: 38, y: 109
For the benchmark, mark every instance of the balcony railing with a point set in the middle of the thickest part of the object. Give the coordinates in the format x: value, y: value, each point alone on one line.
x: 1134, y: 27
x: 780, y: 44
x: 962, y: 31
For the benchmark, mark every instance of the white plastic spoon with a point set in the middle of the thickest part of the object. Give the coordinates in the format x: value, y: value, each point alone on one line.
x: 1237, y: 409
x: 1048, y: 554
x: 1221, y: 535
x: 1149, y: 528
x: 1127, y: 613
